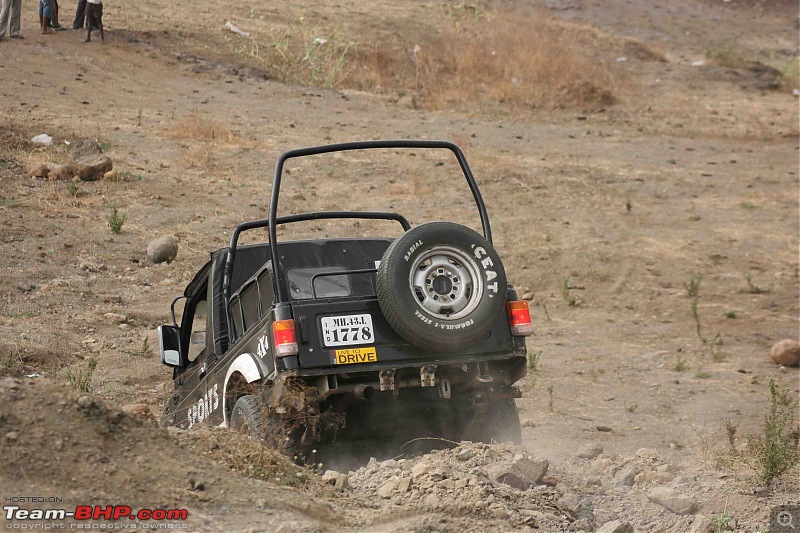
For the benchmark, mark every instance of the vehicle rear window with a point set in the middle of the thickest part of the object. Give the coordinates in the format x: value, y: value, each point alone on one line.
x: 325, y: 286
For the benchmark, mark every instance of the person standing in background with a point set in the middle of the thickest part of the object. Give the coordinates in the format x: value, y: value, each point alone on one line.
x: 94, y: 19
x: 13, y: 8
x: 80, y: 14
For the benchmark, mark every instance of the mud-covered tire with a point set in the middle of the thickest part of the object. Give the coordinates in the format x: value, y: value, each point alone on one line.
x: 246, y: 417
x: 441, y: 286
x: 499, y: 423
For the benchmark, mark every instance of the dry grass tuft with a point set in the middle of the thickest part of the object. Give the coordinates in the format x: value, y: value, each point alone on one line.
x: 501, y: 58
x: 200, y: 129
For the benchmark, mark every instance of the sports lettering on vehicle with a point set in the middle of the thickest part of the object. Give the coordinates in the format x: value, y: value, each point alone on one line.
x: 204, y: 406
x: 411, y: 250
x: 486, y: 262
x: 263, y: 346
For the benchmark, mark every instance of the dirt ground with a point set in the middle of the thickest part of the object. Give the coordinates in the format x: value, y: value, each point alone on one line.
x: 603, y: 213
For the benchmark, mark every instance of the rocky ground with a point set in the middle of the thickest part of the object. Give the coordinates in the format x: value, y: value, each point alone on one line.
x: 649, y: 212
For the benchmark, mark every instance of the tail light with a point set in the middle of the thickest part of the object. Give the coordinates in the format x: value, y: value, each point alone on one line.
x: 284, y: 337
x: 519, y: 318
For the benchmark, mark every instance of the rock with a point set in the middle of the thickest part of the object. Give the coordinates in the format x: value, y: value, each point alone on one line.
x: 116, y: 318
x: 654, y: 477
x: 420, y: 469
x: 527, y: 295
x: 531, y: 469
x: 672, y: 500
x: 330, y: 476
x: 464, y: 455
x: 616, y: 526
x: 404, y: 485
x: 521, y: 474
x: 139, y: 410
x: 93, y: 168
x: 601, y: 466
x: 625, y: 477
x: 604, y: 429
x: 432, y: 500
x: 388, y: 488
x: 786, y: 353
x: 342, y: 482
x: 61, y: 172
x: 702, y: 524
x: 590, y: 450
x: 162, y: 249
x: 39, y: 171
x: 111, y: 175
x: 648, y: 454
x: 25, y: 287
x: 85, y: 148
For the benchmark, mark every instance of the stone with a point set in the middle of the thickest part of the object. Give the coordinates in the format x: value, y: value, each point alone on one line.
x: 531, y: 469
x: 61, y: 173
x: 616, y: 526
x: 702, y: 524
x: 625, y: 477
x: 601, y: 466
x: 786, y: 353
x: 342, y: 482
x: 420, y: 469
x: 387, y: 489
x: 654, y: 477
x: 330, y: 476
x: 464, y: 455
x: 590, y: 450
x: 111, y: 175
x: 39, y: 171
x: 163, y: 249
x: 85, y: 148
x: 93, y: 168
x: 404, y: 485
x: 672, y: 500
x: 116, y: 318
x: 139, y: 410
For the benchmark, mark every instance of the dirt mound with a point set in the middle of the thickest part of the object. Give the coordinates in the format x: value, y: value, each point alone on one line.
x: 58, y: 442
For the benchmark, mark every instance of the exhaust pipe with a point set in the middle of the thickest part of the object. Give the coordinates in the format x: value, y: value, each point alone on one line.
x: 364, y: 392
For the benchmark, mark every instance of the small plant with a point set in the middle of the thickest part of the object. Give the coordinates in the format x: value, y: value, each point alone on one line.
x: 72, y: 189
x: 696, y: 317
x: 720, y: 523
x: 730, y: 430
x: 82, y: 380
x: 145, y: 351
x: 632, y: 407
x: 751, y: 287
x: 567, y: 295
x: 730, y: 314
x: 533, y: 359
x: 776, y: 450
x: 11, y: 362
x: 104, y: 146
x: 116, y: 220
x: 702, y: 374
x: 550, y: 396
x: 546, y: 314
x: 680, y: 364
x: 693, y: 287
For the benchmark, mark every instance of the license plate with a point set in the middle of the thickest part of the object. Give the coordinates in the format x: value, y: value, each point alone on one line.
x: 355, y: 355
x: 347, y: 330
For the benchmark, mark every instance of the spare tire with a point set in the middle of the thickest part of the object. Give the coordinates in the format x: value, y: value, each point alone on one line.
x: 441, y: 286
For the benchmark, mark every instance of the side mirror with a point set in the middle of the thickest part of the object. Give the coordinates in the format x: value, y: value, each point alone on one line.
x: 169, y: 344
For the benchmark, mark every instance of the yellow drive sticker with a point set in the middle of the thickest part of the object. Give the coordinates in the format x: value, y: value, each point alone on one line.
x: 355, y: 355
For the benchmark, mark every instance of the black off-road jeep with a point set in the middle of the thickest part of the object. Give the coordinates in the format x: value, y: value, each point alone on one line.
x: 357, y: 340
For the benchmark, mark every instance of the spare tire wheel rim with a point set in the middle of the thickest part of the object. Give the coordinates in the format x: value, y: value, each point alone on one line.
x: 446, y: 283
